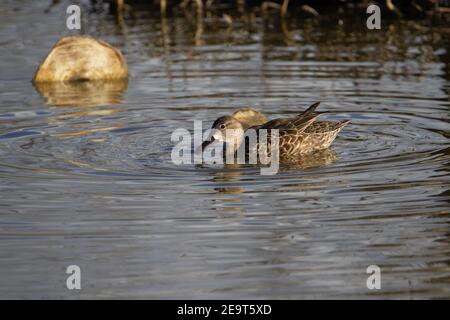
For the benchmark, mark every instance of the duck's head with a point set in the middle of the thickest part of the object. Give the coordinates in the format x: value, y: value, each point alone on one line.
x: 226, y: 129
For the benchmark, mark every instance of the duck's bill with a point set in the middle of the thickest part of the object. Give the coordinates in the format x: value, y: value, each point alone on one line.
x: 205, y: 144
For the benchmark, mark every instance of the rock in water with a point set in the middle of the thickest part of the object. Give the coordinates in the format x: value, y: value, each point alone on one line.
x: 82, y: 58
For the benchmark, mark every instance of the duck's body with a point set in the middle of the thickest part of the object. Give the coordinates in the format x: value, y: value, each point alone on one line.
x: 82, y: 58
x: 301, y: 134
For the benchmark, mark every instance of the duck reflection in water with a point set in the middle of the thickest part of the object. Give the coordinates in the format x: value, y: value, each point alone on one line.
x: 229, y: 181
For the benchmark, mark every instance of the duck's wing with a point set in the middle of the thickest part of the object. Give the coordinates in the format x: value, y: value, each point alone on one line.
x: 324, y: 127
x: 296, y: 124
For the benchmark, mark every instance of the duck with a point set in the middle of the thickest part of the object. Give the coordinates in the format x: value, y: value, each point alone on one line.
x: 81, y: 58
x: 298, y: 135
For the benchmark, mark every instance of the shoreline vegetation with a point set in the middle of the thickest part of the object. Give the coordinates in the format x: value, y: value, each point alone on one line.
x: 406, y: 9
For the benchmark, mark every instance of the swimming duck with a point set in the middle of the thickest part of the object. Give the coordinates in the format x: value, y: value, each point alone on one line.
x: 81, y: 58
x: 298, y: 135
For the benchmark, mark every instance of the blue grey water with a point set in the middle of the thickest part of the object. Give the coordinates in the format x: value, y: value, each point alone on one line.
x: 86, y: 176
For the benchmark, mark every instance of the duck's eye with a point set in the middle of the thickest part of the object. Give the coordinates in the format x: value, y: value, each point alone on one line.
x: 222, y: 126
